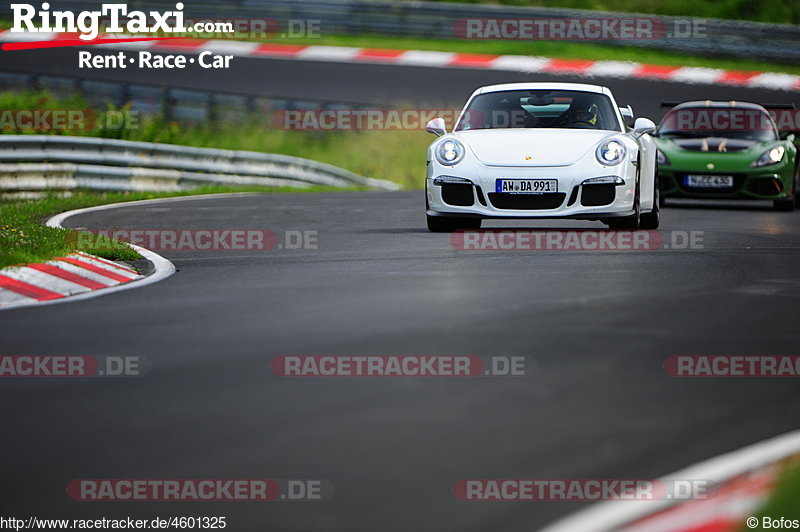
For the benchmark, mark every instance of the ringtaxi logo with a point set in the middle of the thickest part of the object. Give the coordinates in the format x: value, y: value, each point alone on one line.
x: 87, y: 23
x: 121, y: 25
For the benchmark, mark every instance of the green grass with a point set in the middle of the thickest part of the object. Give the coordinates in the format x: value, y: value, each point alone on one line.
x: 396, y: 155
x: 764, y: 11
x: 24, y: 238
x: 784, y: 499
x: 555, y: 49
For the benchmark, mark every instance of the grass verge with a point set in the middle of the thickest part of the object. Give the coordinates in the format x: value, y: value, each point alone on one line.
x: 396, y: 155
x: 25, y: 239
x: 784, y: 499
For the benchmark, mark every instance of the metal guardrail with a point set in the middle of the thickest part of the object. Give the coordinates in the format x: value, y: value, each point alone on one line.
x: 775, y: 42
x: 44, y: 162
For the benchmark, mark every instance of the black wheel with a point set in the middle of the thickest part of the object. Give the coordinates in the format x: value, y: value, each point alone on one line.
x: 632, y: 222
x: 653, y: 218
x: 788, y: 204
x: 447, y: 224
x: 796, y: 183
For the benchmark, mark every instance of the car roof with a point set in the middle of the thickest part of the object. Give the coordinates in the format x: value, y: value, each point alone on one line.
x: 585, y: 87
x: 728, y: 104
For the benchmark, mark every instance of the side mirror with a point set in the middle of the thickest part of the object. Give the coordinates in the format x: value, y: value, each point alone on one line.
x: 437, y: 127
x: 643, y: 126
x: 627, y: 113
x: 788, y: 135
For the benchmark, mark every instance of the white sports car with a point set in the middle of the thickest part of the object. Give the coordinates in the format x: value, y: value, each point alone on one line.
x: 542, y: 150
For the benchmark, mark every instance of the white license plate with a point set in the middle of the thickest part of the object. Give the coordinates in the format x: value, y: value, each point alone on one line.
x: 709, y: 181
x: 526, y: 186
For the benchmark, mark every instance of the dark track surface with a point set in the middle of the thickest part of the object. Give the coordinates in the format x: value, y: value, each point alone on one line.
x: 381, y: 85
x: 595, y: 327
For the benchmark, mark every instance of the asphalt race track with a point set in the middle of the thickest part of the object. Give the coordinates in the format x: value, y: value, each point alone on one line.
x: 380, y: 85
x: 595, y: 328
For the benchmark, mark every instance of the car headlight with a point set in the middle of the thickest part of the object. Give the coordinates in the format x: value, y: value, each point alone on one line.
x: 770, y: 157
x: 661, y: 158
x: 450, y: 152
x: 610, y: 152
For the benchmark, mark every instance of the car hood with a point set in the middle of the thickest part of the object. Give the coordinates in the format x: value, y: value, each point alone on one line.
x: 531, y: 147
x: 711, y: 144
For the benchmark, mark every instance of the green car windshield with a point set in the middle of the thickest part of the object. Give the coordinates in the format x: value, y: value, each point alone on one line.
x: 732, y: 123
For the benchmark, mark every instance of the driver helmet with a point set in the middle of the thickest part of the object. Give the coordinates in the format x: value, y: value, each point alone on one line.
x: 582, y: 111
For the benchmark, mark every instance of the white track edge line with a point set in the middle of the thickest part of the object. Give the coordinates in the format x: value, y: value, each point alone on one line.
x: 163, y: 268
x: 610, y: 515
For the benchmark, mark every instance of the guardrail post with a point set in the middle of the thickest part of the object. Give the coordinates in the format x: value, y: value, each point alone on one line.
x: 166, y: 104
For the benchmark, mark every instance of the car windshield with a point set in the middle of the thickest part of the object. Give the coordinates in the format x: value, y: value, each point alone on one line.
x: 562, y: 109
x: 732, y: 123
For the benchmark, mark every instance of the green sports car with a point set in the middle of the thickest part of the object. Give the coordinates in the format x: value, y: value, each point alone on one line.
x: 726, y: 150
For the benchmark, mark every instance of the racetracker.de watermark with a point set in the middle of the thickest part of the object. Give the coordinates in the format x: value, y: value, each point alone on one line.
x: 530, y: 489
x: 199, y: 490
x: 352, y: 119
x: 239, y: 28
x: 399, y: 366
x: 57, y: 366
x: 45, y: 120
x: 730, y: 119
x: 193, y: 239
x: 575, y: 240
x: 733, y: 366
x: 579, y: 29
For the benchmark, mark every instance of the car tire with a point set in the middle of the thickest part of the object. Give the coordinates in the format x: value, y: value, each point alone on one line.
x: 448, y: 224
x: 652, y: 219
x: 632, y: 222
x: 788, y: 204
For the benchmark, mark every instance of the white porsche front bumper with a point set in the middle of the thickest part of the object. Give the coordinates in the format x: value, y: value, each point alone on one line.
x: 476, y: 195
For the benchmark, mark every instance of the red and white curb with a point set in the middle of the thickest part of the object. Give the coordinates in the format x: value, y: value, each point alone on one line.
x: 745, y: 478
x: 509, y: 63
x: 79, y: 275
x: 76, y: 273
x: 726, y: 510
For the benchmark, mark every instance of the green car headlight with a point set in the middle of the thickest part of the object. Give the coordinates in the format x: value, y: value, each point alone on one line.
x: 661, y: 158
x: 610, y: 153
x: 770, y: 157
x: 450, y: 152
